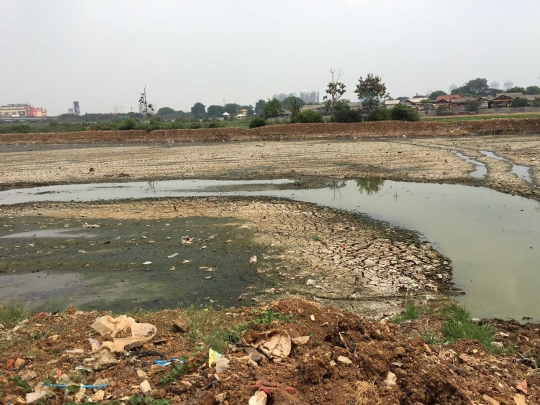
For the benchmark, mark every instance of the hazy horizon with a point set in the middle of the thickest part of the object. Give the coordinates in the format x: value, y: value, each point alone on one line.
x: 102, y: 53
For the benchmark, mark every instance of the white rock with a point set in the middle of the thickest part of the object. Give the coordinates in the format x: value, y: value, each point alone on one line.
x: 310, y: 282
x: 253, y: 259
x: 141, y: 373
x: 34, y: 397
x: 145, y: 387
x: 344, y: 360
x: 390, y: 379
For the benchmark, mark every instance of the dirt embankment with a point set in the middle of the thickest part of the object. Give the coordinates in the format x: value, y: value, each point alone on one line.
x: 292, y: 132
x: 346, y: 360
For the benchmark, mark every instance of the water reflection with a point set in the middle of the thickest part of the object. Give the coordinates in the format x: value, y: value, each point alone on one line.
x: 370, y: 186
x: 335, y: 186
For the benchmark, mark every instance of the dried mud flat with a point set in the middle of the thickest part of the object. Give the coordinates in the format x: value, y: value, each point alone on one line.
x: 330, y: 256
x: 420, y: 159
x: 346, y: 360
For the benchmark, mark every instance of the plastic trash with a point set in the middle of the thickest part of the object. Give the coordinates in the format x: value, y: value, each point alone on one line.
x: 168, y: 362
x: 140, y: 332
x: 95, y: 386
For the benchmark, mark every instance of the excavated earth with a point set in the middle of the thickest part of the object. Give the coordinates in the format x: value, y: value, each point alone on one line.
x: 347, y: 360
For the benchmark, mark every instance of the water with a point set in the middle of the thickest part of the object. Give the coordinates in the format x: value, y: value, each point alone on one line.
x: 491, y: 237
x: 481, y: 169
x: 522, y: 172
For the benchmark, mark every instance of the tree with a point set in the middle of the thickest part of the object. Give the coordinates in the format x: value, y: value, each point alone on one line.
x: 148, y: 109
x: 371, y: 89
x: 472, y: 106
x: 532, y: 90
x: 198, y: 110
x: 520, y: 102
x: 344, y: 113
x: 516, y: 89
x: 259, y: 107
x: 257, y: 122
x: 435, y: 94
x: 335, y: 89
x: 536, y: 102
x: 476, y: 87
x: 215, y: 111
x: 232, y: 108
x: 403, y: 113
x: 293, y: 104
x: 272, y: 108
x: 165, y: 111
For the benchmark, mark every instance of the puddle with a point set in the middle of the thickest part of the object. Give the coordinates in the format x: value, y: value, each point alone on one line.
x: 49, y: 233
x: 493, y: 155
x: 143, y: 189
x: 492, y: 238
x: 481, y: 169
x: 522, y: 172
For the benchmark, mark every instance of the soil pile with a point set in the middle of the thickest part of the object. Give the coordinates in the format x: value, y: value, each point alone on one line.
x: 346, y: 360
x: 288, y: 132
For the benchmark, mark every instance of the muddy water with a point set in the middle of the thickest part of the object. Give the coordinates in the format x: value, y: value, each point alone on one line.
x: 481, y: 169
x: 492, y: 238
x: 521, y: 172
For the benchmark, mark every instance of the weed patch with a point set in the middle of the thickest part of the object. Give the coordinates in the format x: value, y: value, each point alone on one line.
x: 12, y: 314
x: 412, y: 311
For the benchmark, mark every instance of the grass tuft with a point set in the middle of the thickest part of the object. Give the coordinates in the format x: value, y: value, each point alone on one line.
x: 212, y: 328
x: 411, y: 311
x: 458, y: 325
x: 12, y: 314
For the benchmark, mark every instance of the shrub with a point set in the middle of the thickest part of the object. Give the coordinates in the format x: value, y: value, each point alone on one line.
x: 195, y: 125
x: 520, y: 102
x: 379, y: 114
x: 403, y: 113
x: 308, y: 116
x: 213, y: 124
x: 344, y: 113
x: 127, y: 124
x: 257, y: 122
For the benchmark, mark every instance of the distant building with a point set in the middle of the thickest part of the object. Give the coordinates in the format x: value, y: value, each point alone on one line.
x: 310, y: 97
x: 70, y: 110
x: 22, y: 110
x: 76, y: 108
x: 283, y: 96
x: 141, y: 108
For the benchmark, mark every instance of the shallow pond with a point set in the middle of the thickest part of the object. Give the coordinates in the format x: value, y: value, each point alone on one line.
x: 492, y: 238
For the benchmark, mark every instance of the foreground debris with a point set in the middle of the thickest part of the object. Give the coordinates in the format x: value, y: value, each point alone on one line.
x: 291, y: 352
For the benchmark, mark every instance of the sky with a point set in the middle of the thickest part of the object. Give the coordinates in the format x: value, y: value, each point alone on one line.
x: 102, y: 53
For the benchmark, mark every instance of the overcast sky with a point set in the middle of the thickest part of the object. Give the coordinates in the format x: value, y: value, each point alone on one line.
x: 101, y: 52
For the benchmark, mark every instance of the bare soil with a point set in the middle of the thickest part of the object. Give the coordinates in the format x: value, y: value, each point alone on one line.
x: 314, y: 373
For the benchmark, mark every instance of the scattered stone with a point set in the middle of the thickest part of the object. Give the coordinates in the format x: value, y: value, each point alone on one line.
x: 253, y: 259
x: 145, y: 387
x: 344, y: 360
x: 253, y: 354
x: 98, y: 396
x: 390, y: 379
x: 141, y: 373
x: 181, y: 325
x: 221, y: 397
x: 490, y: 400
x: 310, y: 282
x: 173, y: 255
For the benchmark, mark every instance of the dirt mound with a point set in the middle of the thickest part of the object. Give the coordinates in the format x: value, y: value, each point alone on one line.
x: 347, y: 360
x: 288, y: 132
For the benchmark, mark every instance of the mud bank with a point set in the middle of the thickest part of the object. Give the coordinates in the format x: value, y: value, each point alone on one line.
x: 241, y: 250
x: 379, y: 129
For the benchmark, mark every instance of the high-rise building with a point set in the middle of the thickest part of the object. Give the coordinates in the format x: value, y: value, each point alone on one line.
x: 76, y: 108
x: 310, y: 97
x: 141, y: 108
x: 283, y: 96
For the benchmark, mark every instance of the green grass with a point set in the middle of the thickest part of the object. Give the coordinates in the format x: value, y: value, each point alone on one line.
x: 268, y: 316
x: 457, y: 324
x: 12, y: 314
x: 212, y: 328
x: 481, y: 117
x: 411, y: 311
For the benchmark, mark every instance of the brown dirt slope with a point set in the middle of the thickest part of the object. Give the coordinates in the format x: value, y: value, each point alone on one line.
x: 383, y: 367
x: 296, y: 131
